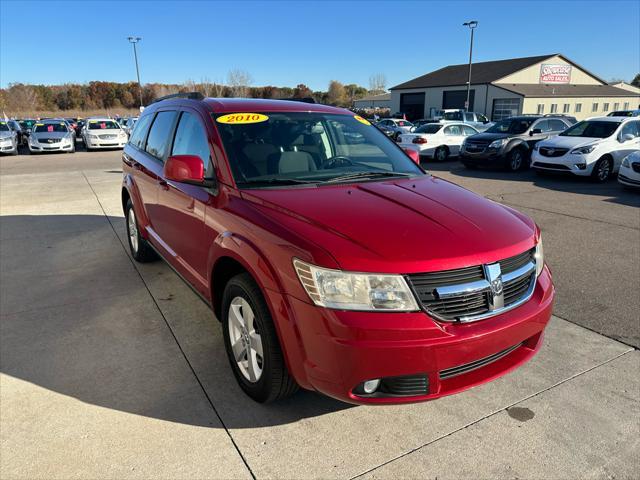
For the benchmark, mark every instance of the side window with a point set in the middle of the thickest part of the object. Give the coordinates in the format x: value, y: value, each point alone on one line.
x: 453, y: 130
x: 140, y: 132
x: 468, y: 131
x: 159, y: 136
x: 191, y: 138
x: 542, y: 125
x: 468, y: 117
x: 557, y: 125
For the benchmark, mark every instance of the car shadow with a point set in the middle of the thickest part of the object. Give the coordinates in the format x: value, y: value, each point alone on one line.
x: 80, y: 319
x: 615, y: 192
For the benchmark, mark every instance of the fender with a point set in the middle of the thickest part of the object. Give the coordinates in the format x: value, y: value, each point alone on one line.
x: 517, y: 143
x: 247, y: 254
x: 130, y: 186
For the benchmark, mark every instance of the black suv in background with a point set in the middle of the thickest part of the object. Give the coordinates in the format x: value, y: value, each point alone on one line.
x: 509, y: 142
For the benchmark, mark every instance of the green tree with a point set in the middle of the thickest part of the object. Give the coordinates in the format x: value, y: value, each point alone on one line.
x: 636, y: 81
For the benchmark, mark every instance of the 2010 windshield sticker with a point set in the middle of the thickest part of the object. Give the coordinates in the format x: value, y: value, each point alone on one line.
x: 362, y: 120
x: 242, y: 118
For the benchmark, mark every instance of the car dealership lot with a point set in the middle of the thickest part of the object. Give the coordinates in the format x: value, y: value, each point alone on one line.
x: 110, y: 369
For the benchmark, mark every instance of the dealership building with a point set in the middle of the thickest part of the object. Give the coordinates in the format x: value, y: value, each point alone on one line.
x: 503, y: 88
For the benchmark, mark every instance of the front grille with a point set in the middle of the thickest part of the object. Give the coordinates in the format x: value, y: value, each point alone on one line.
x: 557, y: 166
x: 107, y: 137
x: 476, y: 146
x: 468, y: 367
x: 636, y: 166
x: 553, y: 152
x: 476, y: 300
x: 49, y: 140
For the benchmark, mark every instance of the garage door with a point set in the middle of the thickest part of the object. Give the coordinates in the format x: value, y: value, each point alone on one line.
x: 457, y: 98
x: 412, y: 105
x: 504, y: 108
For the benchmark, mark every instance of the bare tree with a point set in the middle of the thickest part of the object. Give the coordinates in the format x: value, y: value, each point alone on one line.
x: 21, y: 97
x: 377, y: 83
x: 239, y: 81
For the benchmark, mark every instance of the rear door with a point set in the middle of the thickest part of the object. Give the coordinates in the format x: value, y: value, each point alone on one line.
x: 534, y: 137
x: 624, y: 148
x: 454, y: 136
x: 181, y: 208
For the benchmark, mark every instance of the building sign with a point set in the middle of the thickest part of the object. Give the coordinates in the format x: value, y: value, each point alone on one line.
x: 555, y: 73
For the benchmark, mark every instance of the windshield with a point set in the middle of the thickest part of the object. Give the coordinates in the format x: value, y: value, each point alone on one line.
x: 452, y: 116
x: 4, y: 127
x: 429, y: 128
x: 296, y: 147
x: 591, y: 129
x: 511, y: 125
x: 51, y: 127
x: 103, y: 124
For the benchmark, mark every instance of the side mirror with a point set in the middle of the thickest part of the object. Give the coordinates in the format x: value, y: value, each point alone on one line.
x: 413, y: 155
x: 185, y: 169
x: 626, y: 137
x: 535, y: 131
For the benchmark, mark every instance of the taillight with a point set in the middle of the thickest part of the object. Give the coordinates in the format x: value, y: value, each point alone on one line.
x: 419, y: 140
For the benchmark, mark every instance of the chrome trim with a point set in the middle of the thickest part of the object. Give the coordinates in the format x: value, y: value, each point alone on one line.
x: 462, y: 289
x: 520, y: 272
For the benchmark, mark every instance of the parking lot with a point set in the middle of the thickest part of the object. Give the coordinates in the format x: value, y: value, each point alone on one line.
x: 111, y: 369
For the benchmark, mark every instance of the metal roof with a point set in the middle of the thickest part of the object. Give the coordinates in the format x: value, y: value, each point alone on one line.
x: 558, y: 90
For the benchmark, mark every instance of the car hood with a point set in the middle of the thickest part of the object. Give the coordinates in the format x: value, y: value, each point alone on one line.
x: 401, y: 226
x: 568, y: 142
x: 43, y: 135
x: 4, y: 135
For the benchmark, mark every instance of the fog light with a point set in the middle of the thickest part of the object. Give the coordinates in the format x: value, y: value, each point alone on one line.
x: 580, y: 166
x: 371, y: 386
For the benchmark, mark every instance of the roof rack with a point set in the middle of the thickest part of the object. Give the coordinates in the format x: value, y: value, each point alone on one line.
x: 303, y: 100
x: 189, y: 95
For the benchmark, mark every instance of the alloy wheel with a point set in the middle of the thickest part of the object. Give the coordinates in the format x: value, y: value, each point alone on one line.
x: 133, y: 230
x: 245, y: 340
x: 516, y: 160
x: 603, y: 170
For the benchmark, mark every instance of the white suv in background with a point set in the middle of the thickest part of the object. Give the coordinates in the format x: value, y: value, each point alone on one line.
x: 594, y: 147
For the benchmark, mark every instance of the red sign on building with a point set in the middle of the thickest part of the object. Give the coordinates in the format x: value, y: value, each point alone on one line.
x: 555, y: 73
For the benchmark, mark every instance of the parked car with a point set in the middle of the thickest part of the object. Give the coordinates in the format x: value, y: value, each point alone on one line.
x: 8, y: 139
x: 625, y: 113
x: 337, y: 267
x: 26, y: 125
x: 422, y: 121
x: 509, y: 142
x: 51, y: 136
x: 395, y: 126
x: 128, y: 124
x: 15, y: 126
x: 437, y: 140
x: 629, y: 173
x: 475, y: 119
x: 103, y: 133
x: 593, y: 147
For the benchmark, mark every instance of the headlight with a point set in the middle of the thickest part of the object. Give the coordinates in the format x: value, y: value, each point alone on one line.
x: 92, y: 136
x: 497, y: 143
x: 584, y: 150
x: 539, y: 257
x: 355, y: 291
x: 626, y: 162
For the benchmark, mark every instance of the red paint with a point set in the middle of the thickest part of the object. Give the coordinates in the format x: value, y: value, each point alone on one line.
x: 395, y: 226
x: 184, y: 168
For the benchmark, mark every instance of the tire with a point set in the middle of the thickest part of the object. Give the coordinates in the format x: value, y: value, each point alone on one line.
x: 602, y: 170
x: 441, y: 154
x: 264, y: 377
x: 470, y: 166
x: 515, y: 160
x: 138, y: 246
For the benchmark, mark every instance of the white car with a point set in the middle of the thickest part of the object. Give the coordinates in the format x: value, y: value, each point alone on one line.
x: 103, y: 133
x: 594, y: 147
x: 437, y: 140
x: 53, y: 135
x: 8, y: 139
x: 128, y: 124
x: 629, y: 174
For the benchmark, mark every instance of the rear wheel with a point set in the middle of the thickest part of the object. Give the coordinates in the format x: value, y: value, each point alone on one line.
x: 252, y: 344
x: 138, y: 246
x: 441, y: 154
x: 602, y: 171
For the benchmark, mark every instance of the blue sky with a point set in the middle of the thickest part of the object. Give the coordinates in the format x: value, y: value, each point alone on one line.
x: 285, y: 43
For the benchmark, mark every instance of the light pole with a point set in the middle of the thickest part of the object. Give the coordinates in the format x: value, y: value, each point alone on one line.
x: 472, y: 24
x: 133, y: 41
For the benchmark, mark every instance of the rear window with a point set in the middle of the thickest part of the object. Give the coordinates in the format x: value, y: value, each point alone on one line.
x: 456, y: 116
x: 429, y: 128
x: 591, y: 129
x: 51, y: 127
x: 404, y: 123
x: 103, y: 125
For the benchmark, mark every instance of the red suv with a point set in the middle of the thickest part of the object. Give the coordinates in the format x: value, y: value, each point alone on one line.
x: 333, y: 261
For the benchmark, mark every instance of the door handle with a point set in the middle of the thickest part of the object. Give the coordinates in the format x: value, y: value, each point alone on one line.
x: 163, y: 184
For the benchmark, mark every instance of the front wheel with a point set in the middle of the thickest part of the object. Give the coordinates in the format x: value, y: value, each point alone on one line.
x: 515, y: 160
x: 602, y: 170
x: 252, y: 344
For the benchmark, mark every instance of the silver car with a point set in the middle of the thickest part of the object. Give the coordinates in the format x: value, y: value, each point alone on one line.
x: 52, y: 136
x: 8, y: 139
x: 103, y: 133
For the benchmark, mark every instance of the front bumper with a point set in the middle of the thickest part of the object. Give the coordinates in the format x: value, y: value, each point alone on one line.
x: 335, y: 351
x: 50, y: 147
x: 576, y: 164
x: 8, y: 147
x: 488, y: 157
x: 627, y: 176
x: 106, y: 143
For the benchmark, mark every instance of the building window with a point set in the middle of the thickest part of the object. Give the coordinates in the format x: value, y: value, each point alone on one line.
x: 616, y: 106
x: 605, y: 107
x: 554, y: 108
x: 626, y: 106
x: 594, y: 108
x: 540, y: 108
x: 505, y: 108
x: 578, y: 107
x: 565, y: 108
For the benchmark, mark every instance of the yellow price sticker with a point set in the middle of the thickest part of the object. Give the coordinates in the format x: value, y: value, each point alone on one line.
x: 242, y: 118
x: 39, y: 124
x: 362, y: 120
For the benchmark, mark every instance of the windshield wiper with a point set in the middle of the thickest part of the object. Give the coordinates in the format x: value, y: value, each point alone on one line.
x: 275, y: 181
x: 364, y: 175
